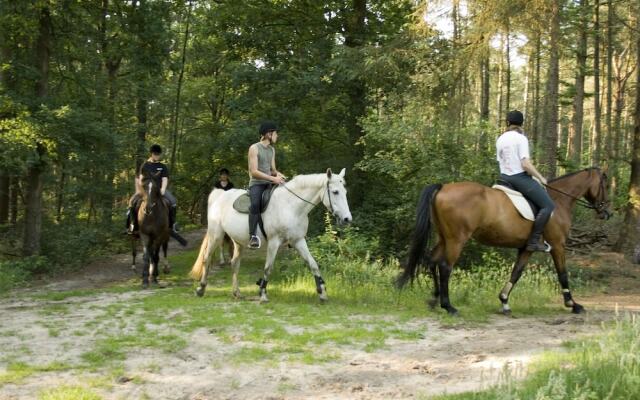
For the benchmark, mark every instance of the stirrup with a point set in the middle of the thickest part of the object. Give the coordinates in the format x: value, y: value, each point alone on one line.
x: 255, y: 242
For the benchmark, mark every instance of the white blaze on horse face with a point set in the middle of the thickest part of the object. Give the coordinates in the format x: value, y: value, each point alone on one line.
x: 336, y: 198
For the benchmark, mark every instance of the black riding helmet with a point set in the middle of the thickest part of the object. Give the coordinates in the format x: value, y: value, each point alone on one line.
x: 266, y: 127
x: 155, y: 149
x: 515, y: 117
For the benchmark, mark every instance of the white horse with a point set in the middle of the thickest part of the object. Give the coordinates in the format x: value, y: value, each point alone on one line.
x: 285, y: 221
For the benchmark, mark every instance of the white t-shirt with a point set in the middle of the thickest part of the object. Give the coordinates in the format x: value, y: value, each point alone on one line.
x: 511, y: 148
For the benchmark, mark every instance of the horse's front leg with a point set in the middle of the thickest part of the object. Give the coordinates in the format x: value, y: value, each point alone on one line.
x: 166, y: 268
x: 301, y: 246
x: 272, y: 251
x: 134, y: 253
x: 146, y: 262
x: 154, y: 272
x: 557, y: 252
x: 516, y: 273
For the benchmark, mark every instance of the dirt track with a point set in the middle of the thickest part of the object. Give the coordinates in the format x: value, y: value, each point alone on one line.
x: 443, y: 359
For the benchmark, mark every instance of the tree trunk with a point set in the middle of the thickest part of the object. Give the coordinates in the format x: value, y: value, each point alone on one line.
x: 33, y: 206
x: 536, y: 100
x: 609, y: 105
x: 551, y: 103
x: 596, y: 137
x: 629, y: 238
x: 141, y: 108
x: 4, y: 197
x: 574, y: 146
x: 485, y: 77
x: 499, y: 99
x: 507, y: 97
x: 176, y: 111
x: 13, y: 201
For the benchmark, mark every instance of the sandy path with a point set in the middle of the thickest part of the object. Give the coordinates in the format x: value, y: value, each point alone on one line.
x: 444, y: 359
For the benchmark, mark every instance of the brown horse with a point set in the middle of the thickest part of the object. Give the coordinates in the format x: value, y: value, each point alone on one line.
x: 467, y: 210
x: 153, y: 222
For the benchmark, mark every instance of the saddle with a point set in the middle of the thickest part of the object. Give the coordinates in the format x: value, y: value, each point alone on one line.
x: 525, y: 208
x: 243, y: 203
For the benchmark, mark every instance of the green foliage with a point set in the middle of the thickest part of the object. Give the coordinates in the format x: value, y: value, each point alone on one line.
x: 21, y: 271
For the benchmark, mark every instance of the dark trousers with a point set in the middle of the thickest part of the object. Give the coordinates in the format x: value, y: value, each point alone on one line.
x: 255, y: 194
x: 533, y: 191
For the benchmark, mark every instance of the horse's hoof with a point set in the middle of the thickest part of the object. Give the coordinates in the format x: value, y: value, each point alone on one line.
x: 264, y: 300
x: 166, y: 270
x: 452, y: 311
x: 324, y: 298
x: 432, y: 303
x: 237, y: 295
x: 578, y: 309
x: 200, y: 291
x: 133, y: 267
x: 145, y: 285
x: 507, y: 313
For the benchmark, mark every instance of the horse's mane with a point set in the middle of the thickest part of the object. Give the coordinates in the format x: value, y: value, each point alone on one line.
x: 307, y: 181
x: 571, y: 174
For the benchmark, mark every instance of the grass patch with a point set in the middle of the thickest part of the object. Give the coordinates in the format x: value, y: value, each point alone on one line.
x: 69, y: 393
x: 604, y: 367
x: 18, y: 371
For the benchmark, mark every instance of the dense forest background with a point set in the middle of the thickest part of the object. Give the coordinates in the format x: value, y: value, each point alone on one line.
x: 401, y: 93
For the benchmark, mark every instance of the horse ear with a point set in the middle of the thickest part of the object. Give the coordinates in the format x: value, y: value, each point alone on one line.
x: 329, y: 173
x: 341, y: 174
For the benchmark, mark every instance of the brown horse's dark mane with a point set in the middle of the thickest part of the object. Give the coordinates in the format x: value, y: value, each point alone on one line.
x: 571, y: 174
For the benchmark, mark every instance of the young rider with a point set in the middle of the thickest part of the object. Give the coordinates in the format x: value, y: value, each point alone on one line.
x: 262, y: 173
x: 516, y: 168
x: 223, y: 181
x: 158, y: 171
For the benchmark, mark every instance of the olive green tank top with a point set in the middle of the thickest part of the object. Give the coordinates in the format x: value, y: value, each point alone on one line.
x: 265, y: 156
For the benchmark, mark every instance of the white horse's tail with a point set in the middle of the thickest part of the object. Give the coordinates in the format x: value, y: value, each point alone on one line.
x: 198, y: 267
x: 213, y: 196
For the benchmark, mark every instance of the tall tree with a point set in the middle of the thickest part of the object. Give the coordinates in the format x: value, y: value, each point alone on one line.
x: 551, y: 100
x: 629, y: 238
x: 36, y: 169
x: 575, y: 134
x: 596, y: 137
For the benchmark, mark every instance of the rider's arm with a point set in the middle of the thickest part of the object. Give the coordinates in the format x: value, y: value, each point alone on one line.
x: 163, y: 186
x: 253, y: 166
x: 531, y: 170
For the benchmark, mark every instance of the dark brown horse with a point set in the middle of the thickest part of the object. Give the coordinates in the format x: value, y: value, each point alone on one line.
x: 465, y: 210
x: 153, y: 220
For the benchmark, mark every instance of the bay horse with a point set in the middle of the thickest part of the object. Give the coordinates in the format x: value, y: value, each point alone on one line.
x: 285, y: 221
x: 465, y: 210
x: 166, y: 267
x: 153, y: 222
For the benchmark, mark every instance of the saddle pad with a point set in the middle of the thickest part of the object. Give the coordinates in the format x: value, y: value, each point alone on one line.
x: 520, y: 203
x: 243, y: 203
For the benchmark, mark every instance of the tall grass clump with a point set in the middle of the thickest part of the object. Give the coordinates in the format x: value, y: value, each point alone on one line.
x: 603, y: 367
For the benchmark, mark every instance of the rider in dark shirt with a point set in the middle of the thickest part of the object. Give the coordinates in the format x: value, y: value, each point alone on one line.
x: 160, y: 173
x: 223, y: 182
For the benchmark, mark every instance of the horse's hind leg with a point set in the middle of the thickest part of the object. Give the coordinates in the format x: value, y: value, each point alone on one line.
x: 213, y: 243
x: 166, y: 268
x: 557, y: 252
x: 452, y: 250
x: 301, y: 246
x: 516, y: 273
x: 156, y: 262
x: 272, y: 251
x: 436, y: 257
x: 134, y: 253
x: 235, y: 267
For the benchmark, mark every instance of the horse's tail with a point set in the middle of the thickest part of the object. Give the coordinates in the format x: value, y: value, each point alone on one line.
x: 420, y: 236
x: 213, y: 196
x: 198, y: 267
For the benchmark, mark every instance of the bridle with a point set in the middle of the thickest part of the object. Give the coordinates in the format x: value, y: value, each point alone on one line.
x: 598, y: 206
x: 328, y: 193
x: 148, y: 208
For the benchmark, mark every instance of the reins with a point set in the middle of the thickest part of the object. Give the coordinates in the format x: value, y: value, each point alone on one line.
x: 307, y: 201
x: 581, y: 201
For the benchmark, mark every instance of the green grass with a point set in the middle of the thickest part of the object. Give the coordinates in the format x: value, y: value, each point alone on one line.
x: 604, y: 367
x: 69, y: 393
x: 16, y: 372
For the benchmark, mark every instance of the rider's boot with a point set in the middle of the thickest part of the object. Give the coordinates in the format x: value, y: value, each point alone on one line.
x: 534, y: 243
x: 132, y: 221
x: 254, y: 241
x: 173, y: 225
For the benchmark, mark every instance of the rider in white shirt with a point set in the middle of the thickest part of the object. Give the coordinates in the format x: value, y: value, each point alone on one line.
x: 512, y: 149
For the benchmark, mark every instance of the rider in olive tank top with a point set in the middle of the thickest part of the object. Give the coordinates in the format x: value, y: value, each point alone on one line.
x: 262, y: 173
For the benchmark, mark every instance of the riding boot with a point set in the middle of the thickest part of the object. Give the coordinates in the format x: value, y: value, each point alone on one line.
x: 534, y: 243
x: 172, y: 219
x: 132, y: 221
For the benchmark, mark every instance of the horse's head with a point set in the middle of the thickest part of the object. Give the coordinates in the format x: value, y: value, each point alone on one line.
x: 150, y: 190
x: 597, y: 193
x: 335, y: 197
